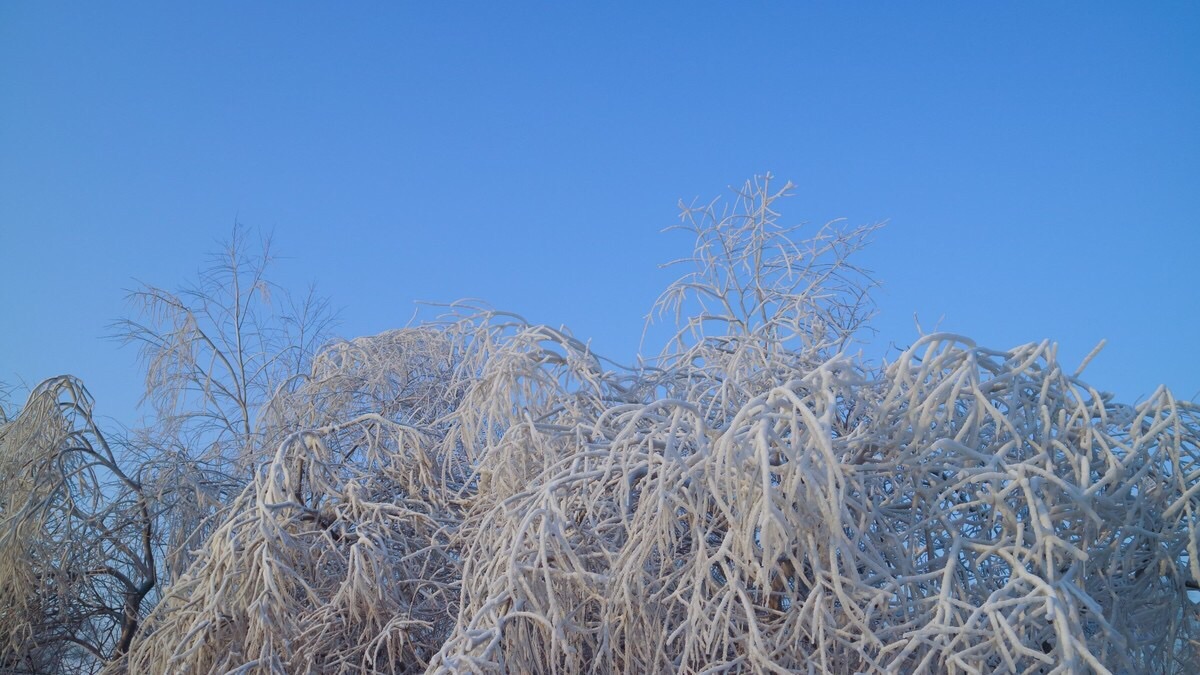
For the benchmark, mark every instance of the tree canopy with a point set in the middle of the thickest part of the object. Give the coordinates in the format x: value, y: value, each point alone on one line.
x: 476, y: 493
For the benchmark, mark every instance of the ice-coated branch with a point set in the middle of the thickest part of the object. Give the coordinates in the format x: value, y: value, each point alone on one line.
x: 77, y: 561
x: 481, y: 494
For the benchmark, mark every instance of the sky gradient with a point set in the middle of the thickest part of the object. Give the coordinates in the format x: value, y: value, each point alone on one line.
x: 1039, y: 167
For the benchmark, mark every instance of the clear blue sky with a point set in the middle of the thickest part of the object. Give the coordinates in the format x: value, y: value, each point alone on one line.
x: 1039, y: 163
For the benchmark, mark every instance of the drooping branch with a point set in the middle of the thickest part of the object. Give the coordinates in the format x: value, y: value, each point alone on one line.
x: 479, y: 494
x: 76, y: 538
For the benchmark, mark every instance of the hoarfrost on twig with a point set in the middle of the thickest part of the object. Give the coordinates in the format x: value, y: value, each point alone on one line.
x: 479, y: 494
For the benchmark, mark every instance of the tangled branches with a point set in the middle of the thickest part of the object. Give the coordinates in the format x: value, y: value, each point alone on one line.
x: 963, y: 511
x: 966, y: 511
x: 334, y: 560
x: 76, y: 556
x: 478, y: 494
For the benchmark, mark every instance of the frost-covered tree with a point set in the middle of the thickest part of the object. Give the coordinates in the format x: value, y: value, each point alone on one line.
x: 77, y: 560
x: 215, y: 351
x: 91, y: 530
x: 481, y: 494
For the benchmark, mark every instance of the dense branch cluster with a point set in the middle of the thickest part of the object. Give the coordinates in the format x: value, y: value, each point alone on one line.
x: 478, y: 494
x: 76, y: 557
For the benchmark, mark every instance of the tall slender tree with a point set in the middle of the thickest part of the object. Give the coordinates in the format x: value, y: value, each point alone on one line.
x: 215, y: 352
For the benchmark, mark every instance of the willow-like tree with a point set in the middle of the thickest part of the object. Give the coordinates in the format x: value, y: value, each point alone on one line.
x: 484, y: 495
x: 92, y: 528
x: 479, y: 494
x: 77, y: 560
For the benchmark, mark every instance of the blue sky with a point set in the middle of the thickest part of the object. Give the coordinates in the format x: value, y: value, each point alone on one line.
x: 1038, y: 163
